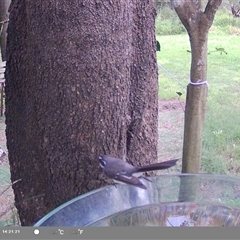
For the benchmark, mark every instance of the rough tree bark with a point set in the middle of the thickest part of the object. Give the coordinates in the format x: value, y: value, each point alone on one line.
x: 81, y: 80
x: 197, y: 23
x: 4, y: 5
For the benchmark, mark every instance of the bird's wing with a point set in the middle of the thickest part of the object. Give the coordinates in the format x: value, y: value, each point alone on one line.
x: 130, y: 180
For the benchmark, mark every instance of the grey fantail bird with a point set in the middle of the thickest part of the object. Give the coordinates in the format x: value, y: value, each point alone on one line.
x: 123, y: 172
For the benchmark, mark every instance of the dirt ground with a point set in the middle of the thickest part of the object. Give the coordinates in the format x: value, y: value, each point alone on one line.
x: 171, y: 123
x: 171, y: 115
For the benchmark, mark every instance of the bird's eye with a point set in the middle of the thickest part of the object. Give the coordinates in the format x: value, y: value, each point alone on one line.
x: 102, y: 162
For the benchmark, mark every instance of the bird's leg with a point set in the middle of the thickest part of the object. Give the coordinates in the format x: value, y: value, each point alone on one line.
x: 113, y: 183
x: 145, y: 178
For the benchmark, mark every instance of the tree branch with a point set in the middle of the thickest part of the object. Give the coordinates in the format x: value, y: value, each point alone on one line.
x: 211, y: 9
x: 192, y: 16
x: 186, y: 11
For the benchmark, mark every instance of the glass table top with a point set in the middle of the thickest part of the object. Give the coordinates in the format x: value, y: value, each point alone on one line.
x: 170, y: 200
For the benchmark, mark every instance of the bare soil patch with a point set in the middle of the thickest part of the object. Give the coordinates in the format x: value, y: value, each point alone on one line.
x: 170, y: 129
x: 171, y: 105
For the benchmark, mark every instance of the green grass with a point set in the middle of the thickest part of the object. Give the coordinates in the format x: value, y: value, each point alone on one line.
x: 221, y: 144
x: 168, y: 23
x: 8, y: 215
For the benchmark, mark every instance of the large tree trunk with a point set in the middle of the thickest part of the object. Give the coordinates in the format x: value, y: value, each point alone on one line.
x: 142, y: 130
x: 81, y: 80
x: 4, y: 5
x: 197, y: 24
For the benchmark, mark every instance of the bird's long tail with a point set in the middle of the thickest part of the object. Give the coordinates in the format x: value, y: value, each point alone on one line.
x: 158, y: 166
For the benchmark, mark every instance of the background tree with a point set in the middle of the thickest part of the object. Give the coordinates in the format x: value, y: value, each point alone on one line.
x: 4, y: 5
x: 235, y: 9
x: 81, y: 80
x: 197, y: 23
